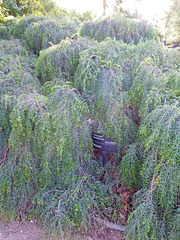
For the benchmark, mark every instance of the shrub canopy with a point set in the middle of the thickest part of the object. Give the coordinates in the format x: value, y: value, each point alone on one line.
x: 120, y: 28
x: 61, y: 60
x: 49, y: 31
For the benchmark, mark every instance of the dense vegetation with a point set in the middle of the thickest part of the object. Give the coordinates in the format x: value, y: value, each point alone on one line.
x: 56, y: 88
x: 120, y: 28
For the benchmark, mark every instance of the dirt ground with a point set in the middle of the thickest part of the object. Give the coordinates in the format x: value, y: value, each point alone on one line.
x: 32, y: 231
x: 20, y: 231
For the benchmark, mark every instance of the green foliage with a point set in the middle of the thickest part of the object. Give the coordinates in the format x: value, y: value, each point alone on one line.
x: 61, y: 60
x: 164, y: 58
x: 60, y: 133
x: 11, y: 48
x: 174, y: 225
x: 160, y: 131
x: 4, y: 32
x: 52, y: 174
x: 70, y: 207
x: 46, y: 137
x: 129, y: 92
x: 155, y: 92
x: 144, y: 222
x: 130, y: 165
x: 88, y: 15
x: 10, y: 7
x: 19, y: 29
x: 5, y: 26
x: 51, y: 30
x: 119, y: 28
x: 16, y: 77
x: 155, y: 69
x: 25, y: 7
x: 148, y: 80
x: 99, y: 77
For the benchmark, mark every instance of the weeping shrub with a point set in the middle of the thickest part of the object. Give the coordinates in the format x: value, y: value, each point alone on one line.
x: 47, y: 139
x: 154, y: 91
x: 4, y: 32
x: 155, y: 76
x: 148, y: 79
x: 174, y: 225
x: 49, y: 173
x: 108, y: 54
x: 16, y: 77
x: 143, y: 221
x: 76, y: 205
x: 131, y: 92
x: 119, y: 28
x: 98, y: 30
x: 99, y: 77
x: 163, y: 57
x: 19, y: 28
x: 160, y: 174
x: 12, y: 47
x: 131, y: 165
x: 16, y: 69
x: 61, y: 60
x: 49, y: 31
x: 5, y: 25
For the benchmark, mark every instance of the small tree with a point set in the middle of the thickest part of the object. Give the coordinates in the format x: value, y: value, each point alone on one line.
x: 105, y: 6
x: 173, y: 23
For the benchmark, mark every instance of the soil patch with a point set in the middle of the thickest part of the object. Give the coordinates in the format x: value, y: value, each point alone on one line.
x: 31, y: 231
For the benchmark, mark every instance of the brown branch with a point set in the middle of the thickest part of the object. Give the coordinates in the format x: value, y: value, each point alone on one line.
x: 38, y: 104
x: 5, y: 150
x: 75, y: 90
x: 111, y: 225
x: 59, y: 205
x: 51, y: 149
x: 51, y: 191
